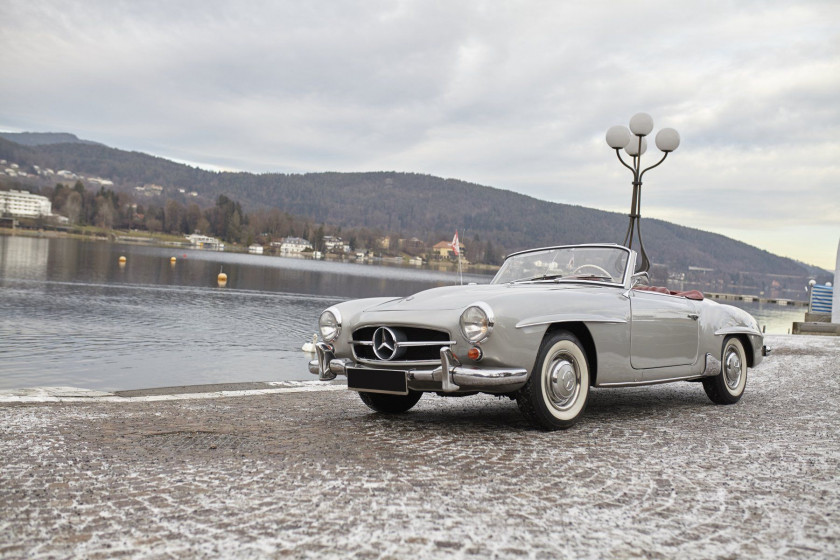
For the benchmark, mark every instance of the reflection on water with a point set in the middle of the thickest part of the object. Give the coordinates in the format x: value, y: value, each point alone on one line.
x: 25, y: 256
x: 72, y: 316
x: 776, y: 319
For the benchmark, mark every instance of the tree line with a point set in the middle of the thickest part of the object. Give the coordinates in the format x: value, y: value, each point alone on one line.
x: 226, y: 220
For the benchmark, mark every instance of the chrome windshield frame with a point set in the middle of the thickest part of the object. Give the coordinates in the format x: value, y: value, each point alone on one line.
x: 629, y: 265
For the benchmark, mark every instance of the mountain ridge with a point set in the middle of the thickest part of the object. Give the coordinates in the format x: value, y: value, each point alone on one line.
x: 44, y: 138
x: 410, y: 204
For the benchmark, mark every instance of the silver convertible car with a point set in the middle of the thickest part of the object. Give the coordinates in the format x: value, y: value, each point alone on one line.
x: 552, y: 323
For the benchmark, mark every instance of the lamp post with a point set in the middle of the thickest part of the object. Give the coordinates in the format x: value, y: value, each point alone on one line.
x: 634, y: 143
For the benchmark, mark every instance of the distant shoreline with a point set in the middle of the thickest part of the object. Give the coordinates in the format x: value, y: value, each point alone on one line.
x: 166, y: 240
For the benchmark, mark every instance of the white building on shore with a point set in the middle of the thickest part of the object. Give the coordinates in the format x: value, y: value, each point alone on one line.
x: 292, y: 245
x: 24, y: 204
x: 334, y: 244
x: 205, y: 242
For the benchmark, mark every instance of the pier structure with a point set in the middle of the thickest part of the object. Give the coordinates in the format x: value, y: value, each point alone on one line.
x: 756, y: 299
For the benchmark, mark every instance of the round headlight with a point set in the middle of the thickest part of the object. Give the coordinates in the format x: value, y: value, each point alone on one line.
x: 477, y: 322
x: 329, y: 323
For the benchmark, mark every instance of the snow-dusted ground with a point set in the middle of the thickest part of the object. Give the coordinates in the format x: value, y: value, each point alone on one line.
x: 655, y: 472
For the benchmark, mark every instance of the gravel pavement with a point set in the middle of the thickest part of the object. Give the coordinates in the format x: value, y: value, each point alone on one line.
x: 656, y: 472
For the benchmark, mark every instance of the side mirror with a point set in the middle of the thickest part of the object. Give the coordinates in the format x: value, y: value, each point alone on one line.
x: 635, y: 280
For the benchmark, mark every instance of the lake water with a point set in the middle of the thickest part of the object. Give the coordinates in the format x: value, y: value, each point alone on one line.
x: 71, y: 315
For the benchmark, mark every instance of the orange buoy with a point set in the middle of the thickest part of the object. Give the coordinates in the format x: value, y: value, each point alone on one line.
x: 221, y: 279
x: 172, y: 260
x: 122, y: 260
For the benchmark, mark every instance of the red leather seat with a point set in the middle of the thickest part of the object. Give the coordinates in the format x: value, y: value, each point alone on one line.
x: 691, y: 294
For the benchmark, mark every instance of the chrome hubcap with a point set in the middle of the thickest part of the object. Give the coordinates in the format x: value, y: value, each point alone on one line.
x: 732, y: 368
x: 562, y: 383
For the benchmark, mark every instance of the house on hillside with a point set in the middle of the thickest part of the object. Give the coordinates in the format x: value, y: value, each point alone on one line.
x: 443, y: 250
x: 333, y: 244
x: 412, y: 246
x: 294, y: 245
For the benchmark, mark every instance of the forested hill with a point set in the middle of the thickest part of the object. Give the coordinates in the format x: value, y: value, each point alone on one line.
x: 43, y: 138
x: 407, y: 204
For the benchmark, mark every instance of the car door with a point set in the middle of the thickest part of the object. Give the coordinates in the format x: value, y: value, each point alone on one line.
x: 663, y: 331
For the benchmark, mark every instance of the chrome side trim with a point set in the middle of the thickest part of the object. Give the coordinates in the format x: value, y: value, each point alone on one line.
x: 737, y: 330
x: 650, y: 382
x: 549, y: 319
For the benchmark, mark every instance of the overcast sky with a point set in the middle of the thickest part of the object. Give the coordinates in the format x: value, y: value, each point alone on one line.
x: 512, y: 94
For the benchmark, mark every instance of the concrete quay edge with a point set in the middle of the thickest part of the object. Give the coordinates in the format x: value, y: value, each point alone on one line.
x: 35, y: 395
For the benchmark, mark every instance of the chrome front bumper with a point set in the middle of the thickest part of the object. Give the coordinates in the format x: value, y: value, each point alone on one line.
x: 450, y: 374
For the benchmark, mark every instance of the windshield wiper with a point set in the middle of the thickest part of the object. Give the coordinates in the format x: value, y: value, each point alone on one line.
x: 540, y: 277
x: 590, y: 277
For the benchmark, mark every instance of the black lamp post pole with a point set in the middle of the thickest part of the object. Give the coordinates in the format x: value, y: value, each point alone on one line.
x: 635, y: 146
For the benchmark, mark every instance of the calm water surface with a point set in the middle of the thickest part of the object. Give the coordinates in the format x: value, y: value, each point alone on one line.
x: 70, y: 315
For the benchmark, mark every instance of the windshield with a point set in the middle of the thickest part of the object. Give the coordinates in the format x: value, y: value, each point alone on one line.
x: 600, y: 264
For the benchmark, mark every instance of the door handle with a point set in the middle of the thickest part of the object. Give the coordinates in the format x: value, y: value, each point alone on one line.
x: 693, y: 316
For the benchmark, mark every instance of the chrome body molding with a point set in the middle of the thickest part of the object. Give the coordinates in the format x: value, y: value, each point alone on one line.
x: 565, y: 318
x: 649, y: 382
x: 737, y: 330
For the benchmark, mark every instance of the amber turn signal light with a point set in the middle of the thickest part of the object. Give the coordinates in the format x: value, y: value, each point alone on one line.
x: 474, y: 353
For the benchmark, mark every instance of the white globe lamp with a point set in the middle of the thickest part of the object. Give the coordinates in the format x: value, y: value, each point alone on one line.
x: 641, y: 124
x: 667, y: 140
x: 618, y: 137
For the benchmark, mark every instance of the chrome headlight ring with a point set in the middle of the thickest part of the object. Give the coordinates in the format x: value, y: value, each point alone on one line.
x: 477, y: 322
x: 329, y: 323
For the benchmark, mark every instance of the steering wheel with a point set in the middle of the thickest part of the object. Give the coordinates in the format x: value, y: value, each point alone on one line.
x: 595, y: 266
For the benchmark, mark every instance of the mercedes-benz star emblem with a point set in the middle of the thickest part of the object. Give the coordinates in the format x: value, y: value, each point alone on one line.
x: 385, y: 343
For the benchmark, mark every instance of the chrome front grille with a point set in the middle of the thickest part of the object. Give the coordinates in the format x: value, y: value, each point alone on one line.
x: 399, y: 346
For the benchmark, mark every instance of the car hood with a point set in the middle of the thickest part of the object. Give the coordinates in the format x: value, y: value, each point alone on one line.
x: 459, y: 297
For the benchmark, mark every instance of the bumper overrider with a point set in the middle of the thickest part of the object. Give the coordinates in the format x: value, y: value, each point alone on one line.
x: 451, y: 375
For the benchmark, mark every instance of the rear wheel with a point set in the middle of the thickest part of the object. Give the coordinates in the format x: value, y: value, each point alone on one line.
x: 558, y: 389
x: 728, y: 386
x: 390, y: 404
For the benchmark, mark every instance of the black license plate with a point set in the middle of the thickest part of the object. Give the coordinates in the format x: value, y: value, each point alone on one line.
x: 389, y: 381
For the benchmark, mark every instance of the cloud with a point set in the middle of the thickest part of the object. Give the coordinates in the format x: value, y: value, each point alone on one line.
x: 515, y: 95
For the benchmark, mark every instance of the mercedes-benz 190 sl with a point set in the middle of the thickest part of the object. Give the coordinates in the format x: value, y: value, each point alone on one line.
x: 552, y: 323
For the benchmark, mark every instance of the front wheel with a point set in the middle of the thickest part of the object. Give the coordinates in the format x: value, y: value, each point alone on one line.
x: 390, y: 404
x: 558, y: 389
x: 728, y: 386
